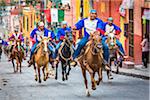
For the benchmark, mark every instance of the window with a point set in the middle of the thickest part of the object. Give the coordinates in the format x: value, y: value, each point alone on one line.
x: 131, y: 33
x: 24, y: 22
x: 31, y: 21
x: 27, y: 24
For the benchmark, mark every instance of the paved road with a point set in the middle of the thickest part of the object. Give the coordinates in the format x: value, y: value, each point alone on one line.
x: 23, y: 87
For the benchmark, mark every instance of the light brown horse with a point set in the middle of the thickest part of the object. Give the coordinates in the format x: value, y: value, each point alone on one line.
x: 41, y: 59
x: 115, y: 53
x: 91, y: 61
x: 18, y: 55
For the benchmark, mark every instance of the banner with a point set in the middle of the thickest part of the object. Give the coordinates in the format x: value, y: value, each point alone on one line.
x: 48, y: 16
x: 60, y: 15
x: 54, y: 15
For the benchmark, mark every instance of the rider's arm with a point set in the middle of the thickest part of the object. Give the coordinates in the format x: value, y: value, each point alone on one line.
x: 100, y: 27
x: 80, y: 24
x: 117, y: 29
x: 52, y: 35
x: 32, y: 35
x: 60, y: 36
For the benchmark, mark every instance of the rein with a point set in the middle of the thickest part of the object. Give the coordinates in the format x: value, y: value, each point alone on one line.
x: 68, y: 45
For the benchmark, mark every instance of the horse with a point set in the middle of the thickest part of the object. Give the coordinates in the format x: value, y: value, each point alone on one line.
x: 65, y: 53
x: 40, y: 59
x: 92, y: 61
x: 115, y: 54
x: 18, y: 55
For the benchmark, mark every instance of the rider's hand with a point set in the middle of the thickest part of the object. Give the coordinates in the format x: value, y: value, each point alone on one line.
x: 74, y: 28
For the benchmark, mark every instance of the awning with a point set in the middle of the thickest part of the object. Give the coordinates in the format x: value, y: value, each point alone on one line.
x: 127, y: 4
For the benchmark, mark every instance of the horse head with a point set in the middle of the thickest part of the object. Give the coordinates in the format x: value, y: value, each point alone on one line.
x: 96, y: 43
x: 44, y: 44
x: 111, y: 40
x: 69, y: 37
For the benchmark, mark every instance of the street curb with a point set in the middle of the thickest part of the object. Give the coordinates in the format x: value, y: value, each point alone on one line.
x: 133, y: 75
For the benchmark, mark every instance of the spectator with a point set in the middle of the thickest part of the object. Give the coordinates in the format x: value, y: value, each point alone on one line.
x: 145, y: 51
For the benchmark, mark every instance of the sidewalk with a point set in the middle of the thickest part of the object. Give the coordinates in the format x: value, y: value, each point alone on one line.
x: 138, y: 71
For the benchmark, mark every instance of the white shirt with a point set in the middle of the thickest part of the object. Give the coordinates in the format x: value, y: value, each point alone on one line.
x: 90, y: 25
x: 144, y: 44
x: 109, y: 29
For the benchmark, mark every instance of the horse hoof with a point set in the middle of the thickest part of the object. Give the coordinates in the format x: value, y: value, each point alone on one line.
x: 39, y: 81
x: 110, y: 78
x: 93, y: 88
x: 63, y: 79
x: 88, y: 93
x: 56, y: 77
x: 44, y: 79
x: 97, y: 82
x: 36, y: 78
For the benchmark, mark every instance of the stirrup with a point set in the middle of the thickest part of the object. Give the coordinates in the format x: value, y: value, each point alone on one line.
x: 73, y: 63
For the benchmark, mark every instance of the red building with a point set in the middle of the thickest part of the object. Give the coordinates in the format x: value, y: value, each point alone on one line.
x: 133, y: 18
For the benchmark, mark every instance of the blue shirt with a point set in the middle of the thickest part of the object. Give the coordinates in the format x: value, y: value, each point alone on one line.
x: 90, y: 26
x: 2, y: 42
x: 47, y: 33
x: 62, y: 32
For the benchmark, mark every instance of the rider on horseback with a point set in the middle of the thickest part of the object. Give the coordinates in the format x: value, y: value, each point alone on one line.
x: 36, y: 36
x: 112, y: 28
x: 16, y: 36
x: 61, y: 34
x: 91, y: 24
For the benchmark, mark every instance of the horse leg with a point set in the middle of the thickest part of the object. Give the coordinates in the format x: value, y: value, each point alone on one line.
x: 47, y: 71
x: 92, y: 77
x: 62, y: 65
x: 39, y: 75
x: 43, y: 69
x: 100, y: 76
x: 69, y: 69
x: 56, y: 73
x: 20, y: 67
x: 35, y: 74
x: 13, y: 65
x: 85, y: 81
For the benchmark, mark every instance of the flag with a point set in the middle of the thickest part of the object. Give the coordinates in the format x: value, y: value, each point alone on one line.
x: 60, y: 15
x: 48, y: 16
x: 54, y: 15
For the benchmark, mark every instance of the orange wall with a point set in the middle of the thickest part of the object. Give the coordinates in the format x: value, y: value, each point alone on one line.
x: 102, y: 7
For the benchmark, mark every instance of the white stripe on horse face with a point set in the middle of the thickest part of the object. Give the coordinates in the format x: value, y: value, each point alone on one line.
x: 45, y: 45
x: 111, y: 36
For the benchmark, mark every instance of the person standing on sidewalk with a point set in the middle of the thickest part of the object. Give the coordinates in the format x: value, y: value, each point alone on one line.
x: 145, y: 51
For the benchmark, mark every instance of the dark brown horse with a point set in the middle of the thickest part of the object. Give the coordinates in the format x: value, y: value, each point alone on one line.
x: 91, y: 61
x: 18, y: 55
x: 65, y: 53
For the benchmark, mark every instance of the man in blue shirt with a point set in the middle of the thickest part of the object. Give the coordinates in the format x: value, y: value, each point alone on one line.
x: 109, y: 27
x: 91, y: 24
x: 61, y: 34
x: 36, y: 35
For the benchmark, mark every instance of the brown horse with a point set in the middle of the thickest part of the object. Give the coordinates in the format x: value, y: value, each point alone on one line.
x: 91, y: 61
x: 17, y: 54
x: 41, y: 59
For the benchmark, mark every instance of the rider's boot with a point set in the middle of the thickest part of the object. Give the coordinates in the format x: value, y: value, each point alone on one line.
x: 107, y: 66
x: 30, y: 62
x: 73, y: 62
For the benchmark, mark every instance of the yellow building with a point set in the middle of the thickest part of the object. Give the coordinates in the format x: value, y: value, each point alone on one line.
x: 30, y: 18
